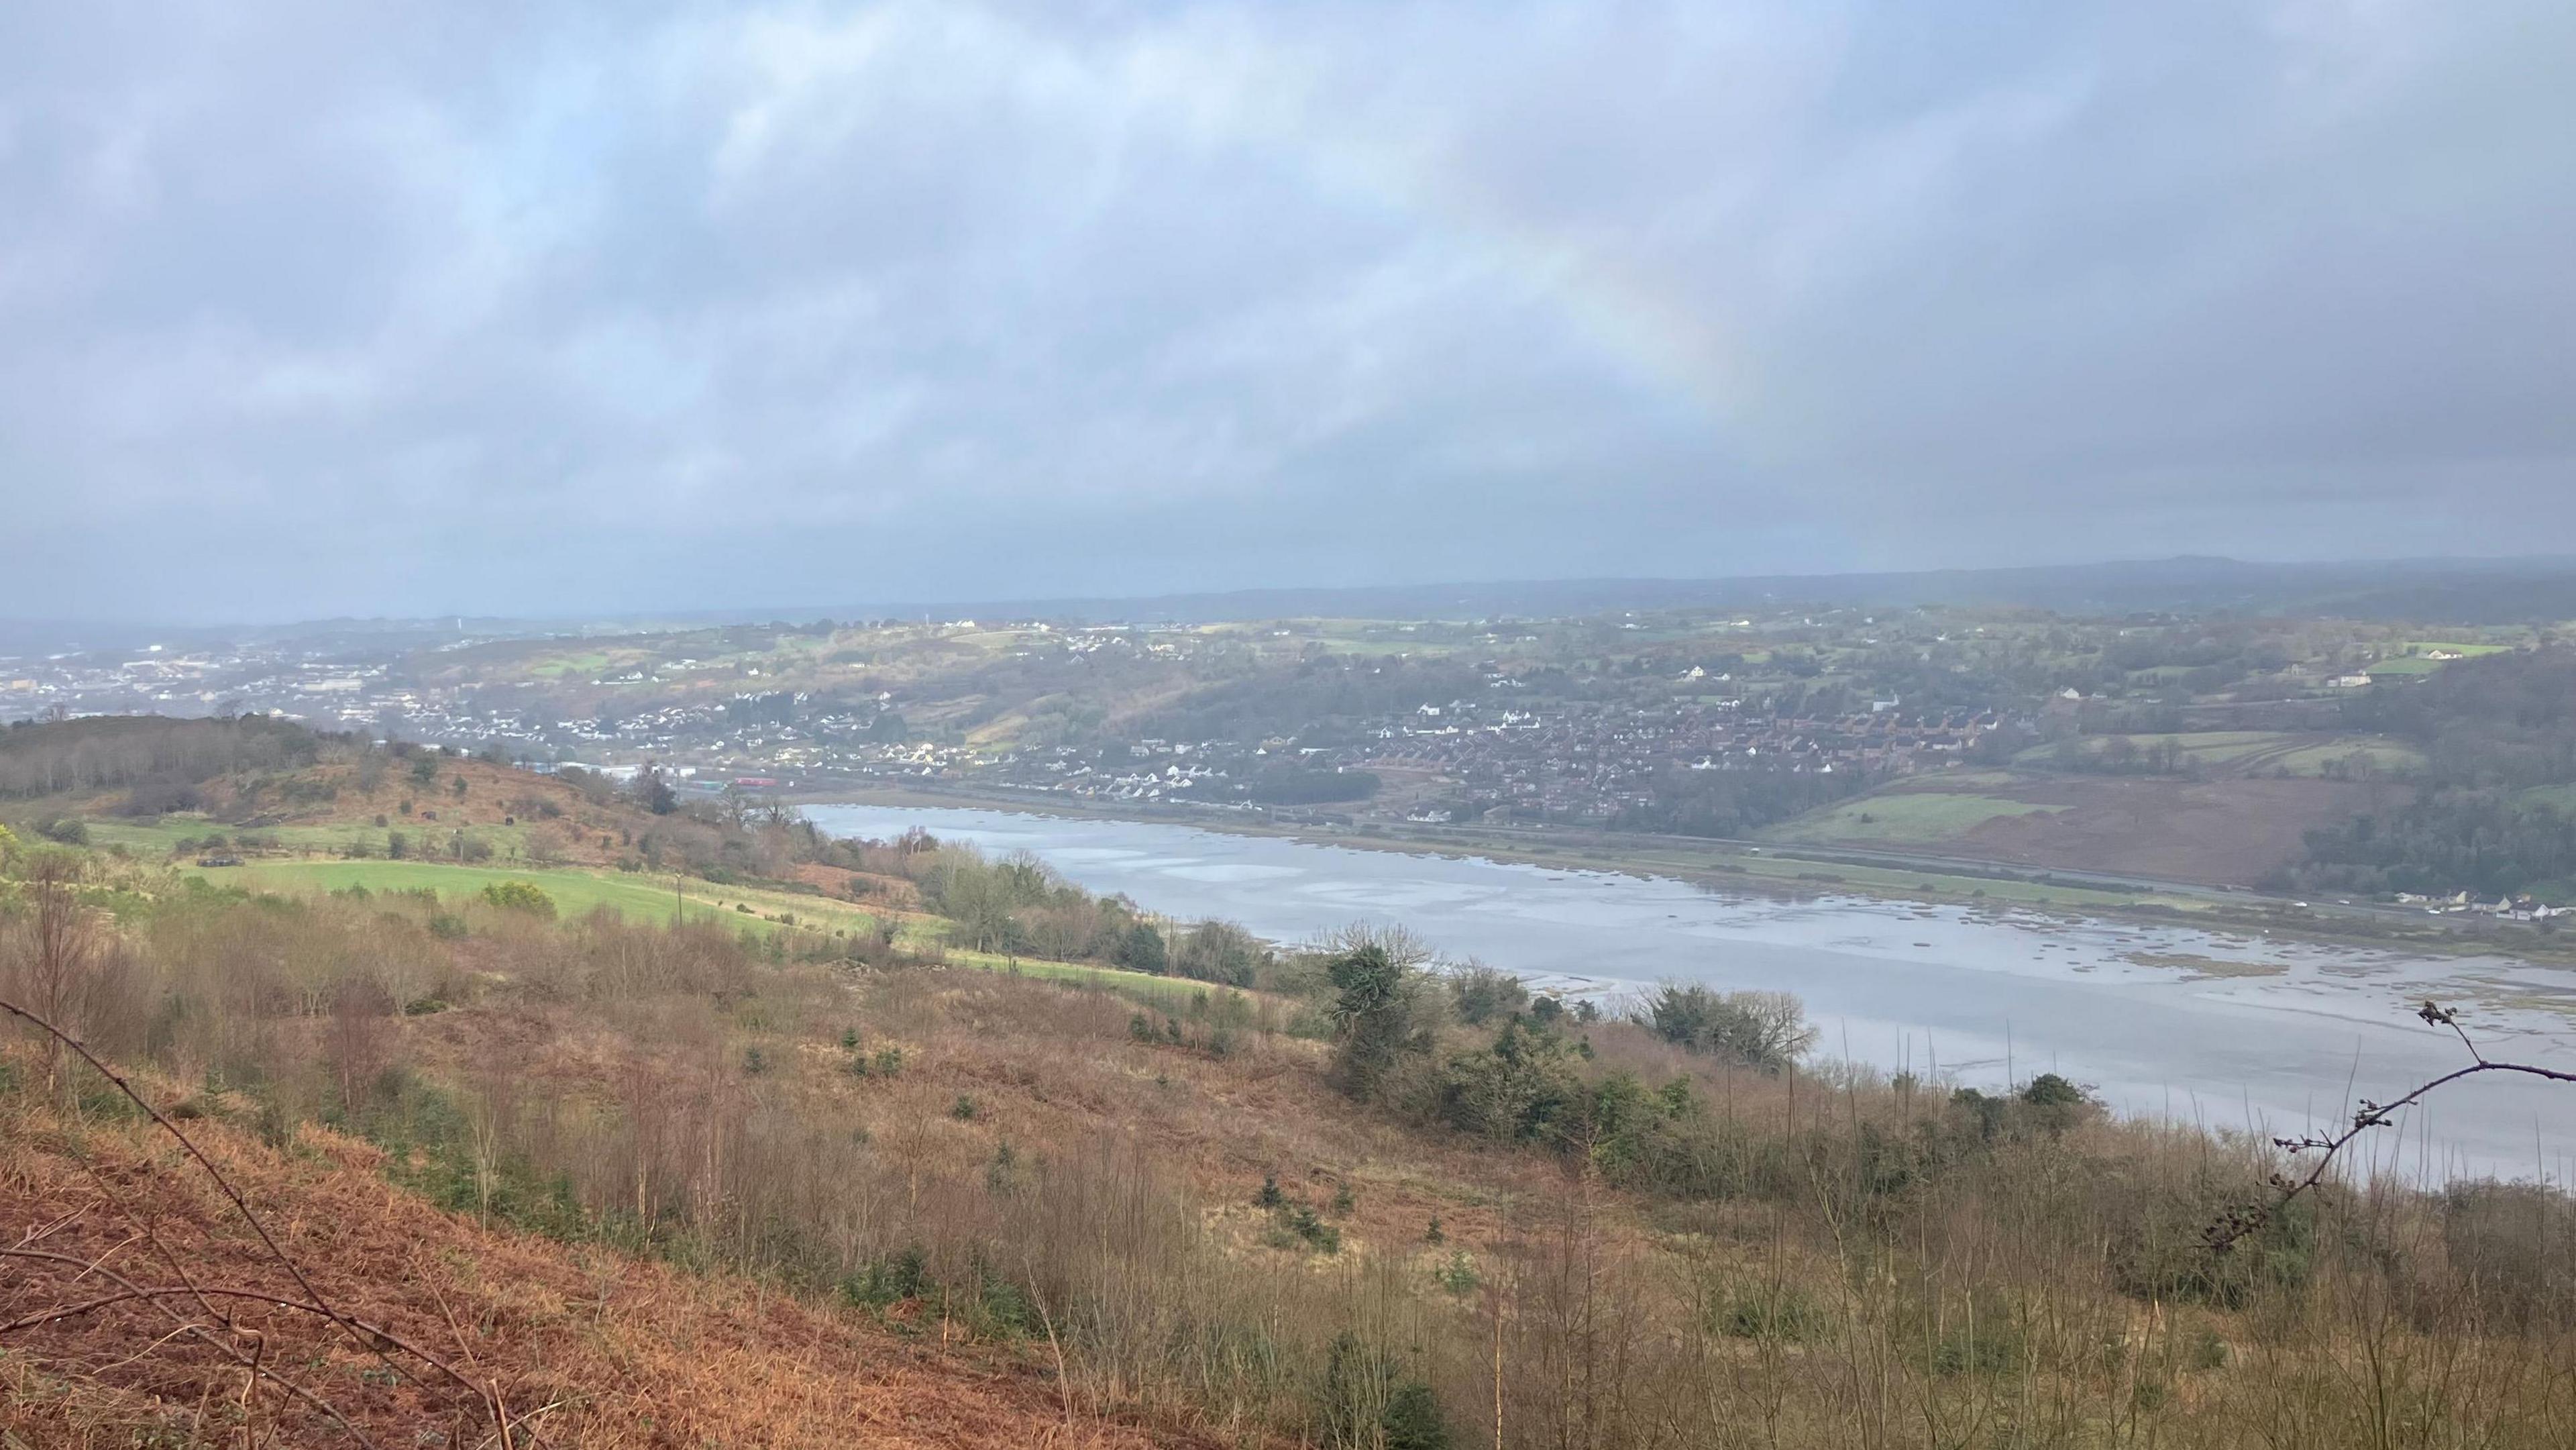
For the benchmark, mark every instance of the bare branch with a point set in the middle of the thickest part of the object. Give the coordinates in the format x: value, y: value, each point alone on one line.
x: 205, y: 1334
x: 373, y: 1340
x: 2236, y: 1224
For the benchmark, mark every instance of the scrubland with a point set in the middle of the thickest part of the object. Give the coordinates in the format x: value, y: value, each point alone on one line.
x: 649, y: 1184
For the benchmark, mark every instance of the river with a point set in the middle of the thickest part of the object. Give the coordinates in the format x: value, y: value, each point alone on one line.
x: 2227, y: 1030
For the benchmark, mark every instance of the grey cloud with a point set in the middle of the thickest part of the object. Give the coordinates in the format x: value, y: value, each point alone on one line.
x: 307, y: 308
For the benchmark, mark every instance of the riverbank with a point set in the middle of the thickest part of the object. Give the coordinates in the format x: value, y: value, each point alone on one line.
x: 2187, y: 1020
x: 1797, y: 872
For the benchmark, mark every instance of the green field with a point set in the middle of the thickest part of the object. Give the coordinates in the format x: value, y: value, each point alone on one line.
x: 1901, y: 818
x: 2251, y: 750
x: 650, y: 899
x: 2561, y: 798
x: 161, y: 837
x: 576, y: 892
x: 585, y: 665
x: 2413, y: 662
x: 2385, y: 756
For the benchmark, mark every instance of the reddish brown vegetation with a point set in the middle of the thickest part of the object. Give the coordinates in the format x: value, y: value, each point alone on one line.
x: 584, y: 1348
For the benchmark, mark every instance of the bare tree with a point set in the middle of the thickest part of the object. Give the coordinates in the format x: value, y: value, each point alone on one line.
x: 52, y: 951
x: 361, y: 1036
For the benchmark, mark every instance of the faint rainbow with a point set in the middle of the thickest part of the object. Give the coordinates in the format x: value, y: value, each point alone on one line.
x: 1626, y: 313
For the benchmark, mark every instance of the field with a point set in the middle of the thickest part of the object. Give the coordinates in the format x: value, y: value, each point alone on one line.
x: 638, y: 897
x: 1906, y: 818
x: 2251, y: 752
x: 2218, y: 832
x: 166, y: 834
x: 653, y: 900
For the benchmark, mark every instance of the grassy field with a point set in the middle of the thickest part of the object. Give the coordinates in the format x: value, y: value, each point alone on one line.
x: 585, y: 664
x: 1901, y: 818
x: 164, y: 836
x: 2243, y: 751
x: 644, y: 898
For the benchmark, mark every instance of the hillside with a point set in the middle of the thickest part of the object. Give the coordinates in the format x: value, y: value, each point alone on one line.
x: 2241, y: 814
x: 1028, y: 1167
x: 581, y: 1348
x: 151, y: 784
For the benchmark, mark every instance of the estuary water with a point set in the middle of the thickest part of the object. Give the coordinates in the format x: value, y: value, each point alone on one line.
x: 2229, y: 1030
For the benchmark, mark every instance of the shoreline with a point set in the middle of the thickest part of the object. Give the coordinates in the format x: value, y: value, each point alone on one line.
x: 1792, y: 872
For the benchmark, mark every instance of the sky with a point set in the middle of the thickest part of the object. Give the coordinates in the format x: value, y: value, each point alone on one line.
x: 525, y: 308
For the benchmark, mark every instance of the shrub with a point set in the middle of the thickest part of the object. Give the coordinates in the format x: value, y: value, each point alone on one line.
x: 888, y: 1280
x: 1458, y: 1275
x: 2048, y: 1090
x: 1377, y: 1013
x: 524, y: 896
x: 1367, y: 1399
x: 1142, y: 950
x: 1317, y: 1234
x: 1765, y: 1030
x: 1481, y: 994
x: 1776, y: 1312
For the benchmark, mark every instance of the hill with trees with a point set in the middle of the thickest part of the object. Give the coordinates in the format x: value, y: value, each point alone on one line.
x: 1014, y: 1164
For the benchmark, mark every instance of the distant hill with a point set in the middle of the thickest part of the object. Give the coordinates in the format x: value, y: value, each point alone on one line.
x: 2461, y: 591
x: 2469, y: 591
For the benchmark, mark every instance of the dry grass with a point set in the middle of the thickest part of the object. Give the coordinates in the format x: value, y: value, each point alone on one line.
x: 752, y: 1243
x: 586, y: 1347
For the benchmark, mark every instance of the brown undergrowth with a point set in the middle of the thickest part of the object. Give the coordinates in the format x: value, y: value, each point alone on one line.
x: 681, y: 1184
x: 585, y: 1346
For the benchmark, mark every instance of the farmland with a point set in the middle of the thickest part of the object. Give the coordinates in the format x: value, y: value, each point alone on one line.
x: 2223, y: 831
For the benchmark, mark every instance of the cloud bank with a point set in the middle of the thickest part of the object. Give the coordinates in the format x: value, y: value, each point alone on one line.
x: 515, y: 308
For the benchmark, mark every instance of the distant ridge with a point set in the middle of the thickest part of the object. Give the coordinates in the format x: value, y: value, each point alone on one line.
x: 2468, y: 591
x: 2459, y: 591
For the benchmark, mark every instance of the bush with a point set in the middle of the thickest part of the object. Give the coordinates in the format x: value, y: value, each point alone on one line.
x: 1765, y: 1030
x: 524, y: 896
x: 1377, y: 1010
x: 889, y: 1280
x: 1776, y: 1312
x: 1367, y: 1399
x: 1482, y: 994
x: 1142, y: 950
